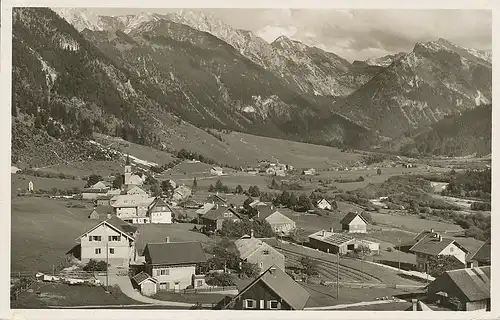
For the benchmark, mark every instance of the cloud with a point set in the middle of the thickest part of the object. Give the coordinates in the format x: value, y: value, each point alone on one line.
x: 270, y: 33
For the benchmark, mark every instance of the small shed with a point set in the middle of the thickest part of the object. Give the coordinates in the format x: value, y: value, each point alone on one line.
x: 94, y: 215
x: 324, y: 204
x: 354, y: 223
x: 145, y: 283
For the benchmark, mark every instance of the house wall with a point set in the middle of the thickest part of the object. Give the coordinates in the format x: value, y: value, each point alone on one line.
x: 357, y: 225
x: 283, y: 227
x: 478, y: 305
x: 264, y: 261
x: 324, y: 205
x: 148, y: 288
x: 123, y: 249
x: 128, y: 212
x: 326, y: 247
x: 454, y: 250
x: 182, y: 274
x: 161, y: 217
x: 262, y: 295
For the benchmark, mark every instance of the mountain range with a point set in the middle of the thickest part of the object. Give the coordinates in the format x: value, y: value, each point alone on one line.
x: 157, y: 79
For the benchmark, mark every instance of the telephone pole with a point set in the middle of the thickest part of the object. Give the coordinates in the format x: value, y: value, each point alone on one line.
x: 107, y: 263
x: 399, y: 250
x: 338, y: 263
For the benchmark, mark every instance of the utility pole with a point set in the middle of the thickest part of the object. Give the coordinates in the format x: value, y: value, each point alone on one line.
x: 107, y: 263
x: 338, y: 263
x: 399, y: 250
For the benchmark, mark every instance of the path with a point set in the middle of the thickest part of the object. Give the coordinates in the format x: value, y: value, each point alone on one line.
x: 357, y: 304
x: 126, y: 287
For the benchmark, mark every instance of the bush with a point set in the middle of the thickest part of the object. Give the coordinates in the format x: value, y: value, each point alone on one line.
x: 220, y: 279
x: 94, y: 265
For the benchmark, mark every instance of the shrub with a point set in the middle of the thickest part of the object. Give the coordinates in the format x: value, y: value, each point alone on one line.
x: 94, y: 265
x: 220, y: 279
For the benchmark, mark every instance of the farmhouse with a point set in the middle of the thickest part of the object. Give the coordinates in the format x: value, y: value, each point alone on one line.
x: 217, y: 171
x: 482, y: 257
x: 256, y: 251
x: 217, y: 200
x: 272, y: 290
x: 111, y: 240
x: 99, y: 185
x: 159, y: 211
x: 213, y: 219
x: 145, y: 283
x: 309, y: 172
x: 331, y: 242
x: 103, y: 200
x: 278, y: 221
x: 181, y: 193
x: 201, y: 212
x: 354, y: 223
x: 324, y: 204
x: 256, y: 203
x: 433, y: 245
x: 132, y: 208
x: 471, y: 287
x: 173, y: 264
x: 136, y: 191
x: 94, y: 215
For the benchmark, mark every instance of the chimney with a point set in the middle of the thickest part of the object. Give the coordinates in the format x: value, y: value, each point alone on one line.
x: 217, y: 206
x: 432, y: 230
x: 331, y: 229
x: 323, y: 233
x: 167, y: 239
x: 414, y: 304
x: 272, y: 270
x: 440, y: 238
x: 251, y: 233
x: 109, y: 215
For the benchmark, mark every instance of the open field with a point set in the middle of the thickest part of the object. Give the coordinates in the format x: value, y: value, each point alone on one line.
x: 58, y: 294
x: 299, y: 155
x: 19, y: 181
x: 86, y: 168
x: 43, y: 231
x: 326, y: 296
x: 413, y: 223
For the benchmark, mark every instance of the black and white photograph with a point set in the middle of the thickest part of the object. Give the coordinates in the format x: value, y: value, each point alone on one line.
x: 298, y: 159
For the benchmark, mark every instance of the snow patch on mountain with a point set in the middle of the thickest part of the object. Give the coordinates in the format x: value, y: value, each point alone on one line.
x: 80, y: 18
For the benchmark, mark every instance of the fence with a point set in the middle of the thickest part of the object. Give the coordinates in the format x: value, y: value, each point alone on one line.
x: 202, y: 290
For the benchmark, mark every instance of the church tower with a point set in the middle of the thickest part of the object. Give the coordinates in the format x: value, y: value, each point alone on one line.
x: 128, y: 171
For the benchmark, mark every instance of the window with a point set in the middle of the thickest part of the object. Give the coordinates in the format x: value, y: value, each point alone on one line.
x: 199, y: 283
x: 98, y: 251
x: 225, y: 214
x: 250, y: 304
x: 113, y: 238
x: 95, y: 238
x: 164, y: 272
x: 111, y: 250
x: 273, y: 304
x: 266, y: 252
x: 261, y: 265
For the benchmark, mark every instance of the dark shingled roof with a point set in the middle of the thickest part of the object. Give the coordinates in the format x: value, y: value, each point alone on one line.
x: 350, y: 216
x: 284, y: 286
x: 215, y: 214
x: 172, y: 253
x: 122, y: 225
x: 483, y: 254
x: 141, y: 277
x: 473, y: 282
x: 432, y: 246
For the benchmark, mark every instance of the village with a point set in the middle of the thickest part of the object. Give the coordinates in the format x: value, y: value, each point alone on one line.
x: 182, y: 238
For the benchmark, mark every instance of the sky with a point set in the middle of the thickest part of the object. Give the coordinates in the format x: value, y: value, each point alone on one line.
x: 355, y: 34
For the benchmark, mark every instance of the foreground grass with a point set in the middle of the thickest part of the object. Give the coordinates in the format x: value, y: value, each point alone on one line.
x: 205, y: 298
x: 45, y: 295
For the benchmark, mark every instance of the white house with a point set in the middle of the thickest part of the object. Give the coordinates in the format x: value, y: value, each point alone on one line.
x: 310, y: 172
x: 111, y: 240
x: 324, y: 204
x: 280, y: 223
x: 218, y: 171
x: 132, y: 208
x: 173, y: 264
x: 181, y: 193
x: 432, y: 244
x: 160, y: 212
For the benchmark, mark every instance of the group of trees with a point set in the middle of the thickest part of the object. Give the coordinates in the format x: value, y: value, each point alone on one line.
x: 219, y: 187
x: 261, y: 229
x: 470, y: 184
x: 284, y: 186
x: 93, y: 179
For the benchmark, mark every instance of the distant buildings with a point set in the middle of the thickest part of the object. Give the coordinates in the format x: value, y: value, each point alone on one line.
x: 432, y: 244
x: 354, y: 223
x: 218, y: 171
x: 130, y: 180
x: 272, y: 290
x: 309, y: 172
x: 181, y: 193
x: 212, y: 220
x: 256, y: 251
x: 159, y: 211
x: 463, y: 289
x: 217, y: 199
x: 173, y: 264
x: 132, y: 208
x: 331, y: 242
x: 111, y: 240
x: 482, y: 257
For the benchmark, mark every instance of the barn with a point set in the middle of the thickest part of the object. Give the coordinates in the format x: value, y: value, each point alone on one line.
x: 354, y: 223
x: 331, y: 242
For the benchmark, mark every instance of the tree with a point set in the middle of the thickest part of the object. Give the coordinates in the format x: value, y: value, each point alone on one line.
x: 219, y: 185
x: 155, y: 190
x: 194, y: 187
x: 94, y: 265
x: 250, y: 270
x: 292, y: 201
x: 304, y: 203
x: 437, y: 265
x: 239, y: 189
x: 118, y: 181
x: 308, y: 266
x: 150, y: 180
x: 367, y: 216
x: 93, y: 179
x: 167, y: 187
x: 254, y: 191
x: 274, y: 184
x: 379, y: 171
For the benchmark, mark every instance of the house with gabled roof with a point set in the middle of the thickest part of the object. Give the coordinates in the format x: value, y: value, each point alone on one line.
x: 181, y: 193
x: 257, y: 251
x: 271, y: 290
x: 111, y: 240
x: 353, y: 223
x: 482, y: 257
x: 136, y: 190
x: 132, y: 208
x: 280, y: 223
x: 159, y: 211
x: 212, y: 220
x: 324, y: 204
x: 217, y: 199
x: 433, y: 245
x: 173, y: 264
x: 331, y: 242
x: 218, y: 171
x: 470, y: 286
x: 145, y: 283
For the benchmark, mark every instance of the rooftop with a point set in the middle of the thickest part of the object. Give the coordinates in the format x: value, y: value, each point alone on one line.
x: 351, y: 216
x: 473, y: 282
x: 433, y: 244
x: 483, y: 254
x: 331, y: 237
x: 174, y: 253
